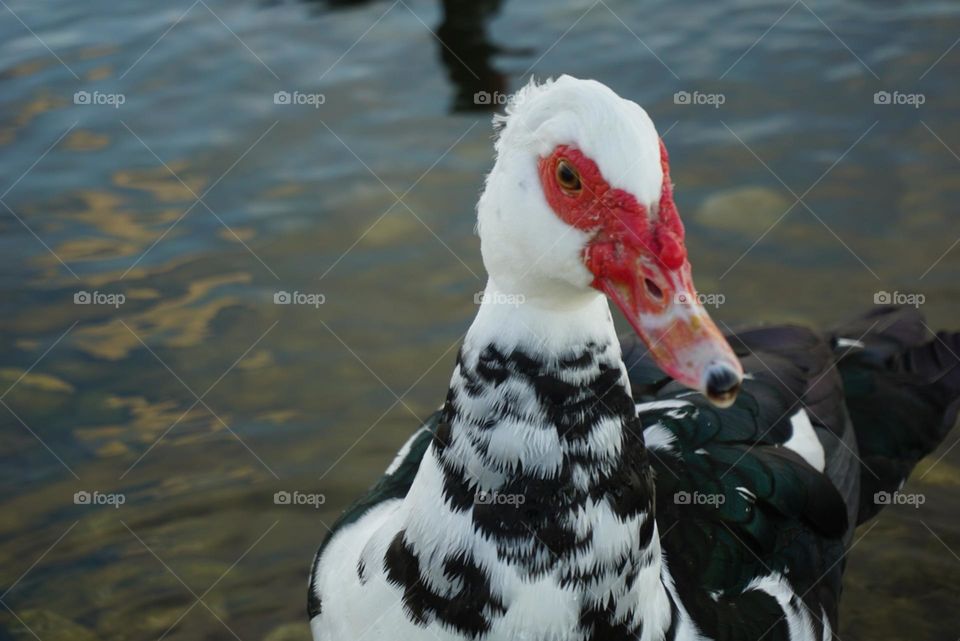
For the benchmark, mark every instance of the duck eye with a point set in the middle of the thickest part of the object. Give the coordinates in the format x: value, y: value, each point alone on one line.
x: 568, y: 178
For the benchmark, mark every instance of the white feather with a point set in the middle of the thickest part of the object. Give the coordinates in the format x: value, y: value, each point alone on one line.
x: 799, y: 622
x: 404, y: 451
x: 658, y: 437
x: 804, y: 441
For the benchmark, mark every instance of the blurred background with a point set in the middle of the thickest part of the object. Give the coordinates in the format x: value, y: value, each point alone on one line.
x: 238, y: 259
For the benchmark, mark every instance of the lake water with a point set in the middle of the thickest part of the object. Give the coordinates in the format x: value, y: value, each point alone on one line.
x: 150, y: 167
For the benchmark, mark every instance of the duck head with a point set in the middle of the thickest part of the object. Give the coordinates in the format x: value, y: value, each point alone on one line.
x: 578, y: 204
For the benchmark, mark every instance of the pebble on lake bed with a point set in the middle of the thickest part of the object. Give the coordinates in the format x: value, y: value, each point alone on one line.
x: 289, y: 632
x: 745, y: 210
x: 50, y: 626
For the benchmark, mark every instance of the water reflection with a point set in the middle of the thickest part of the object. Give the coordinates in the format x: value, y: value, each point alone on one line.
x: 467, y: 54
x: 465, y: 49
x: 397, y: 295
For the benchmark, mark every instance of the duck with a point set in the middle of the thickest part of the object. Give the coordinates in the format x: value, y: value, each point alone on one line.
x: 678, y: 482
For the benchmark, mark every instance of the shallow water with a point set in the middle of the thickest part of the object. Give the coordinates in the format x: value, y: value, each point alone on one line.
x: 198, y: 198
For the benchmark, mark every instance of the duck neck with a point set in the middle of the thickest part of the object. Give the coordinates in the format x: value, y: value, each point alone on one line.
x: 541, y: 474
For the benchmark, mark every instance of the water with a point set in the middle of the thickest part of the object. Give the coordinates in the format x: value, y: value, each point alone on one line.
x: 198, y: 398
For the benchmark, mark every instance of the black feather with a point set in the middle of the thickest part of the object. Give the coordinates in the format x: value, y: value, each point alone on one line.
x: 902, y: 392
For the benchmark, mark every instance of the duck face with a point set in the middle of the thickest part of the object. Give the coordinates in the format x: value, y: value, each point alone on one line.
x: 580, y: 201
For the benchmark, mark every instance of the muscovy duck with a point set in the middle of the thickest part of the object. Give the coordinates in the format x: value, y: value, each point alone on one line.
x: 578, y: 487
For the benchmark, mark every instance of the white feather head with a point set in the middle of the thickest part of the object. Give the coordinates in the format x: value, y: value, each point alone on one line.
x: 526, y: 248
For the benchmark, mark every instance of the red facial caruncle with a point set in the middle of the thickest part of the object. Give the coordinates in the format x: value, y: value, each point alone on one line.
x: 638, y: 258
x: 625, y: 229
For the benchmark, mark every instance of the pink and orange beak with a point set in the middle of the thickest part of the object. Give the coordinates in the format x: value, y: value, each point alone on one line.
x: 641, y: 265
x: 663, y: 308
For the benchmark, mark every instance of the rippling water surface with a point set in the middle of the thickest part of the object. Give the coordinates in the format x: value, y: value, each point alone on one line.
x: 199, y: 198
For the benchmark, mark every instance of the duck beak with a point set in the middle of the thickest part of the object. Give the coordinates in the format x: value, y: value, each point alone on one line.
x: 663, y: 308
x: 640, y: 263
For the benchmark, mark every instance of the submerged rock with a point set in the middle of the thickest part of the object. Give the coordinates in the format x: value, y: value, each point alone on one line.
x: 746, y: 210
x: 289, y: 632
x: 50, y: 626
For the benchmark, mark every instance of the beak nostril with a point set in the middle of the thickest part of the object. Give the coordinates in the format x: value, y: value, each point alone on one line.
x: 722, y: 385
x: 653, y: 290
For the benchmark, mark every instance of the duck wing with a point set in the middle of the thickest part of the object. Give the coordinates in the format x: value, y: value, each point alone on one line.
x: 756, y: 504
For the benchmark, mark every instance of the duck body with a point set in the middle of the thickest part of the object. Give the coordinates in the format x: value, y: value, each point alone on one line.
x: 573, y: 487
x: 646, y: 513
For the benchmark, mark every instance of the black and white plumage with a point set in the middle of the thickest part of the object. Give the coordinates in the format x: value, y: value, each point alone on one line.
x: 569, y: 490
